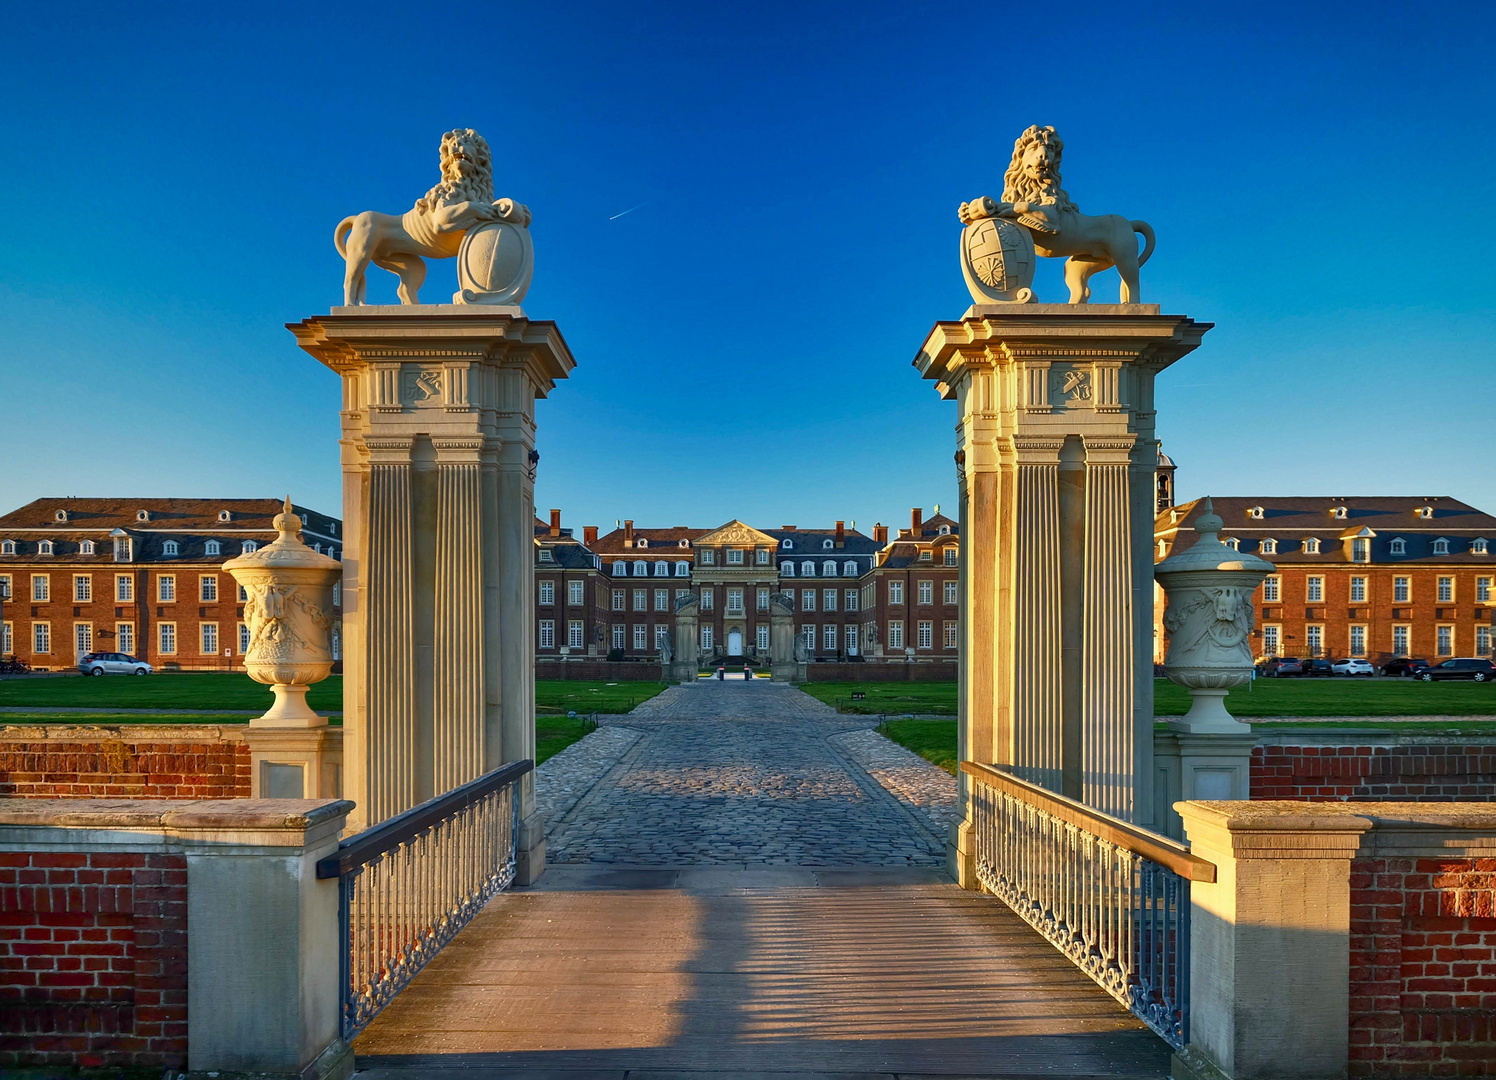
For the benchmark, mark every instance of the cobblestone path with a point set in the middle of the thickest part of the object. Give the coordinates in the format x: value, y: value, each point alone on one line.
x: 739, y: 774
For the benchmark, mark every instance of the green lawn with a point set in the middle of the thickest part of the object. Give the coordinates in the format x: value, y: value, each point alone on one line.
x: 115, y: 719
x: 554, y: 734
x: 558, y: 695
x: 1265, y: 697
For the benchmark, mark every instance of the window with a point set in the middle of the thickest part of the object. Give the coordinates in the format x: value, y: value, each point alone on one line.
x: 1314, y: 639
x: 807, y: 599
x: 169, y: 547
x: 828, y: 568
x: 641, y: 568
x: 41, y: 588
x: 807, y: 569
x: 1311, y: 545
x: 223, y: 515
x: 547, y: 633
x: 707, y: 596
x: 1358, y: 641
x: 787, y: 569
x: 641, y: 599
x: 763, y: 639
x: 1483, y: 589
x: 212, y: 548
x: 1482, y: 641
x: 207, y: 588
x: 7, y: 547
x: 1446, y: 590
x: 124, y: 590
x: 662, y: 599
x: 734, y: 556
x: 82, y: 638
x: 708, y: 557
x: 828, y: 600
x: 1358, y: 590
x: 851, y: 599
x: 949, y: 640
x: 950, y: 592
x: 1444, y: 640
x: 681, y: 594
x: 683, y: 543
x: 86, y: 548
x: 788, y: 545
x: 1315, y: 592
x: 1400, y: 590
x: 249, y: 547
x: 124, y: 638
x: 895, y: 593
x: 926, y: 592
x: 547, y: 592
x: 618, y: 635
x: 574, y: 592
x: 642, y: 542
x: 735, y: 601
x: 763, y: 599
x: 617, y: 599
x: 761, y: 556
x: 828, y: 637
x: 1255, y: 512
x: 208, y: 638
x: 827, y: 545
x: 641, y: 637
x: 1270, y: 587
x: 1361, y: 549
x: 950, y: 556
x: 1233, y: 543
x: 41, y: 637
x: 83, y: 590
x: 944, y: 530
x: 1269, y: 546
x: 1271, y: 640
x: 682, y: 569
x: 5, y: 593
x: 808, y: 635
x: 1399, y: 546
x: 142, y: 515
x: 926, y: 637
x: 7, y: 639
x: 44, y: 548
x: 851, y: 640
x: 706, y: 639
x: 243, y: 639
x: 1163, y: 549
x: 620, y: 568
x: 1480, y: 546
x: 574, y: 638
x: 1441, y: 546
x: 662, y: 635
x: 662, y: 569
x: 1400, y: 639
x: 166, y: 638
x: 544, y: 556
x: 166, y: 589
x: 896, y: 634
x: 337, y: 593
x: 926, y: 556
x: 849, y: 568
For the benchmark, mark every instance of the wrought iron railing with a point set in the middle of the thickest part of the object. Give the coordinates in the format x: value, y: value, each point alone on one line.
x: 1112, y: 897
x: 409, y: 884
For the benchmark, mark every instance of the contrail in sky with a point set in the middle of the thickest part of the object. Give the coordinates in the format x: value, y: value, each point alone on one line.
x: 630, y: 210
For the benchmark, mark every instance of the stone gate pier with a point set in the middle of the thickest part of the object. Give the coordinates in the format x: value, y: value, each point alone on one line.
x: 438, y: 454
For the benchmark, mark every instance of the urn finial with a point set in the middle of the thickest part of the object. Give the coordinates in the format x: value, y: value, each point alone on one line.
x: 286, y: 522
x: 1208, y: 524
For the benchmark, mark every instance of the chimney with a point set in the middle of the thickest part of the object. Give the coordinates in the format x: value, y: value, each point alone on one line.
x: 880, y: 534
x: 841, y: 534
x: 555, y: 523
x: 589, y: 535
x: 916, y: 522
x: 787, y: 528
x: 628, y: 532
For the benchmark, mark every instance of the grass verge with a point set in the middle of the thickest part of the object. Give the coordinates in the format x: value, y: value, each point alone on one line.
x: 564, y: 695
x: 554, y: 734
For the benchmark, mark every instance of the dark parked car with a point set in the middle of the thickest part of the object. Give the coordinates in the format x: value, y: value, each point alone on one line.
x: 1319, y: 667
x: 1280, y: 667
x: 1404, y: 666
x: 1459, y: 668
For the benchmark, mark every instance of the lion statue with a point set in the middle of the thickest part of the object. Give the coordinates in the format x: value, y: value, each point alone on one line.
x: 1033, y: 197
x: 433, y: 227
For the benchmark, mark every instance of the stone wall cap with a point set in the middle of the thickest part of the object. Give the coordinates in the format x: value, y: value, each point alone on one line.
x: 1279, y: 815
x: 289, y: 814
x: 125, y: 733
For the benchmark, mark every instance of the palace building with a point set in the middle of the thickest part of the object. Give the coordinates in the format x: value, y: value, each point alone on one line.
x: 138, y: 576
x: 1376, y: 577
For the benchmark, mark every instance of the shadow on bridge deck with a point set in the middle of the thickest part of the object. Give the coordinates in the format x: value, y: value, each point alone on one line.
x: 601, y: 972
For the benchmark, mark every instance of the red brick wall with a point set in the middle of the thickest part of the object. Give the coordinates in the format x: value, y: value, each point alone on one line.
x: 1423, y: 967
x: 93, y: 959
x: 51, y: 769
x: 874, y: 671
x: 599, y: 670
x: 1431, y: 772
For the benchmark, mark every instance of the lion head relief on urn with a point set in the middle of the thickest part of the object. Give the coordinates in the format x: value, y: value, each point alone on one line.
x: 1209, y: 621
x: 290, y: 615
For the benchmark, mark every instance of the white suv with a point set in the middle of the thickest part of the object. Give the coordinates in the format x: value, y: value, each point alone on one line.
x: 112, y: 663
x: 1352, y: 667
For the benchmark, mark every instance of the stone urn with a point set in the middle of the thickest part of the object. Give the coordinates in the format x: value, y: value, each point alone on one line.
x: 1209, y: 619
x: 290, y: 615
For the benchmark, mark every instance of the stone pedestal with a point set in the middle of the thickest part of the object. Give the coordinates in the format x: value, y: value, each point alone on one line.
x: 295, y: 763
x: 782, y: 664
x: 1210, y: 766
x: 438, y: 507
x: 1056, y: 445
x: 687, y: 641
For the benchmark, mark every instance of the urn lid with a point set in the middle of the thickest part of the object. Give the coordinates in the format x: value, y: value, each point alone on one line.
x: 286, y: 551
x: 1209, y: 553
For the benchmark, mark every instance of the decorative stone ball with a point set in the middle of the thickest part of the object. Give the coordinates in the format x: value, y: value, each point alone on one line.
x: 997, y: 260
x: 495, y: 264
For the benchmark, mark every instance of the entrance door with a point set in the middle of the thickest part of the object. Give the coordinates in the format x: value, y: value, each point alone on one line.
x: 735, y: 643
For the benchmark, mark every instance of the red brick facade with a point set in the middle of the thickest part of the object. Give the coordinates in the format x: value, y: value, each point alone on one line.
x: 93, y: 951
x: 125, y: 769
x: 1430, y: 772
x: 1423, y: 967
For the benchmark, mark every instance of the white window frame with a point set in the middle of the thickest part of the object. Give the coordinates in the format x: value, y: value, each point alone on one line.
x: 950, y: 555
x: 618, y: 636
x: 124, y: 637
x: 735, y: 591
x: 949, y: 592
x: 82, y: 638
x: 169, y: 547
x: 849, y: 568
x: 762, y: 599
x: 1444, y: 640
x: 849, y: 599
x: 1356, y: 640
x: 620, y: 568
x: 41, y: 637
x: 662, y: 569
x: 207, y: 588
x: 86, y: 547
x: 808, y: 635
x: 762, y: 637
x: 1360, y: 549
x: 787, y: 569
x: 207, y: 639
x: 926, y: 591
x: 641, y: 568
x: 849, y: 639
x: 166, y: 588
x: 1445, y: 591
x: 662, y: 634
x: 807, y: 569
x: 547, y: 593
x: 828, y: 599
x: 706, y: 638
x: 734, y: 556
x: 761, y: 556
x: 641, y: 637
x: 1272, y: 640
x: 1398, y: 546
x: 547, y: 638
x: 576, y: 592
x: 166, y: 638
x: 1314, y: 589
x: 1358, y: 590
x: 708, y: 598
x: 576, y: 634
x: 83, y: 589
x: 1314, y: 639
x: 212, y: 547
x: 1269, y: 546
x: 41, y: 588
x: 828, y: 637
x: 124, y: 588
x: 1402, y: 590
x: 896, y: 592
x: 243, y: 639
x: 895, y: 633
x: 828, y: 568
x: 1482, y: 640
x: 708, y: 556
x: 682, y: 569
x: 925, y: 634
x: 950, y: 634
x: 1311, y: 545
x: 1405, y: 632
x: 641, y: 600
x: 662, y: 599
x: 1482, y: 589
x: 1441, y: 546
x: 620, y: 600
x: 807, y: 600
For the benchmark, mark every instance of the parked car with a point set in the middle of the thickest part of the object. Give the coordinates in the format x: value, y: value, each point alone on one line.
x: 1403, y: 666
x: 1318, y: 667
x: 1353, y: 667
x: 112, y: 663
x: 1280, y: 667
x: 1461, y: 667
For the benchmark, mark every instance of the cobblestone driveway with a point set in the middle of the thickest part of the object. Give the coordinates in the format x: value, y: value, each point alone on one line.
x: 737, y: 774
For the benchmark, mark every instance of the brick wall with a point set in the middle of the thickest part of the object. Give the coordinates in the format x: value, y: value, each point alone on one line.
x: 93, y: 959
x: 874, y: 671
x: 1431, y: 771
x: 146, y: 763
x: 1423, y: 967
x: 598, y: 670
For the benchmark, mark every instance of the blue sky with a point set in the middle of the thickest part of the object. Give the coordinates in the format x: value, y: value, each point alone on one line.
x: 1319, y: 176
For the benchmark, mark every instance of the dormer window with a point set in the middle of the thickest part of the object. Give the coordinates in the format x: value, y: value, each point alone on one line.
x: 1338, y: 513
x: 332, y: 527
x: 1269, y: 546
x: 1255, y: 513
x: 1311, y: 545
x: 1479, y: 546
x: 828, y: 568
x: 787, y: 568
x: 317, y: 548
x: 212, y: 547
x: 683, y: 543
x: 807, y: 569
x: 248, y: 547
x: 682, y: 569
x: 7, y: 547
x: 926, y: 556
x: 1361, y: 549
x: 142, y: 515
x: 1163, y: 549
x: 124, y: 547
x: 546, y: 556
x: 1441, y: 546
x: 224, y: 515
x: 849, y: 568
x: 1398, y: 546
x: 788, y: 545
x: 641, y: 568
x: 44, y: 548
x: 60, y: 515
x: 1424, y: 512
x: 662, y: 569
x: 1233, y: 543
x: 169, y: 548
x: 826, y: 545
x: 641, y: 542
x: 944, y: 530
x: 620, y: 568
x: 86, y: 548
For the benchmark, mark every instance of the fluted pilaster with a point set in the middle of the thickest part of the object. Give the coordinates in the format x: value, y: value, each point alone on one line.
x: 388, y: 633
x: 1034, y: 568
x: 458, y: 675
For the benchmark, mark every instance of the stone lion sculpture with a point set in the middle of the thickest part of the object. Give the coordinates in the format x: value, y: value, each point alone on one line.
x: 434, y: 227
x: 1033, y: 197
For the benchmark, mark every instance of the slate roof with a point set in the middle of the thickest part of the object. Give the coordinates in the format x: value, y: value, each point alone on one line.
x: 662, y: 542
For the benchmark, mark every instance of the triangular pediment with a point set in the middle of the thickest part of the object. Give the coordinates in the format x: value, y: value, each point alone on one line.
x: 736, y: 534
